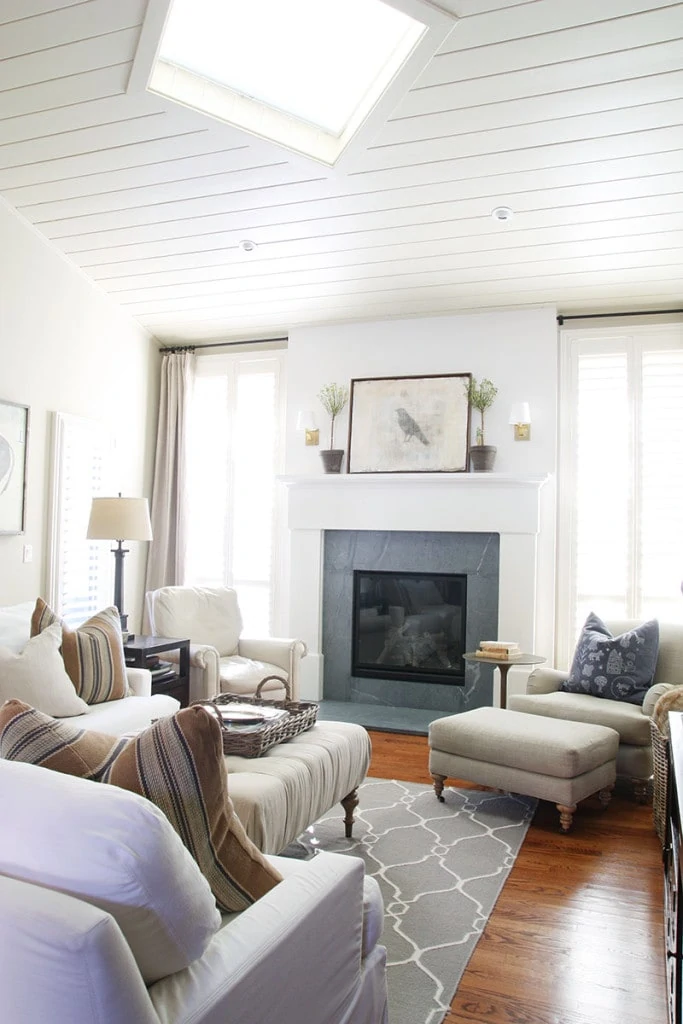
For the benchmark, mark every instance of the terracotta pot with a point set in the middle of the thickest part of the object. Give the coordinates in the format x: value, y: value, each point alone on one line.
x: 482, y: 457
x: 332, y: 459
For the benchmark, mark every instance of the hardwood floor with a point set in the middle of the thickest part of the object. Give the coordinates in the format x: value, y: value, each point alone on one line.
x: 576, y: 936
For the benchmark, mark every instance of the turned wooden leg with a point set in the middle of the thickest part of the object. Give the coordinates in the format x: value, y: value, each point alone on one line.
x: 605, y: 795
x: 438, y: 785
x: 640, y: 791
x: 566, y: 816
x: 349, y: 803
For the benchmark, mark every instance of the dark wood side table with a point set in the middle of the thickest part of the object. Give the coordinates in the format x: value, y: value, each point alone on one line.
x: 143, y: 652
x: 505, y: 665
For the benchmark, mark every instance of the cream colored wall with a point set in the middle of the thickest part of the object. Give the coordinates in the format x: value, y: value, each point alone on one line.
x: 65, y: 347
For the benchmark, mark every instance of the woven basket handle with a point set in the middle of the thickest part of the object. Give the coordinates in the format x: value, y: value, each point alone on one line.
x: 285, y: 683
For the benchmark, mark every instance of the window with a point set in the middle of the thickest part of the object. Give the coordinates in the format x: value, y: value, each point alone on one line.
x: 80, y: 573
x: 234, y: 454
x: 621, y: 520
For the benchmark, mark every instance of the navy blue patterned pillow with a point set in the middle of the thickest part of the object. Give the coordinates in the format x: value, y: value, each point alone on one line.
x: 616, y: 667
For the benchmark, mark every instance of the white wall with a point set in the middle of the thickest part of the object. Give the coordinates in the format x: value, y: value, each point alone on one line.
x: 66, y: 347
x: 516, y: 350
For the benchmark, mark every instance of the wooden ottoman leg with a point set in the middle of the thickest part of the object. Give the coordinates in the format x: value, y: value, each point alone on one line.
x: 438, y: 785
x: 349, y: 803
x: 566, y: 816
x: 605, y: 795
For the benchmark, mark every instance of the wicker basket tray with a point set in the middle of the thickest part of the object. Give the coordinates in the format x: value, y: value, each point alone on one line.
x: 252, y: 741
x: 660, y: 779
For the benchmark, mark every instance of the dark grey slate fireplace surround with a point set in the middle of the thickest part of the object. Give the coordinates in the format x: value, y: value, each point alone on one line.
x: 477, y: 555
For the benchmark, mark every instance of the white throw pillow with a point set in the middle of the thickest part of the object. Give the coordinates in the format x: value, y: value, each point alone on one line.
x: 38, y: 677
x: 111, y: 848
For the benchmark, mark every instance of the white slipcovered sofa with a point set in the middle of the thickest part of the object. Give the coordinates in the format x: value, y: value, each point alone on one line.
x: 115, y: 717
x: 106, y: 919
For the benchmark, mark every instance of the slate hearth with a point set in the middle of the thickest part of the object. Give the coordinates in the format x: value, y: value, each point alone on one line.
x: 477, y: 555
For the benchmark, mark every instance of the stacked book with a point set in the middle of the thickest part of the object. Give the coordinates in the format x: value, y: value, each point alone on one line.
x: 162, y: 671
x: 498, y: 650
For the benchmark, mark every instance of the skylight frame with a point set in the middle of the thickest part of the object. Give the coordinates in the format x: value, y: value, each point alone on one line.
x: 261, y: 121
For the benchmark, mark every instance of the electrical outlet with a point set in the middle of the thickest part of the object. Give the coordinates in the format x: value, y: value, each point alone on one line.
x: 28, y: 553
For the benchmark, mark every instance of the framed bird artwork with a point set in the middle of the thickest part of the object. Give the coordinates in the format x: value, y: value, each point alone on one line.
x: 409, y: 424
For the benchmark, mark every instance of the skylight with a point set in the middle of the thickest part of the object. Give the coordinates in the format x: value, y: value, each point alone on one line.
x: 305, y: 74
x: 318, y: 60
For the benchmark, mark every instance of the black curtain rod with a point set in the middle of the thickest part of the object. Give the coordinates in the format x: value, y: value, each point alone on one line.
x: 219, y: 344
x: 606, y: 316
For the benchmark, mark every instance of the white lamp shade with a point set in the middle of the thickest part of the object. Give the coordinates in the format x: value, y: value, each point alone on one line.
x: 305, y: 420
x: 119, y: 519
x: 520, y: 413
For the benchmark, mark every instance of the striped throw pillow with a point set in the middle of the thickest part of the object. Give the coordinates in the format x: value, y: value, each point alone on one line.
x: 93, y: 654
x: 27, y: 734
x: 177, y: 763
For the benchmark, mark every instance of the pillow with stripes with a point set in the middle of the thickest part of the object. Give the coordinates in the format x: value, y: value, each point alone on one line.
x: 93, y: 653
x: 177, y: 763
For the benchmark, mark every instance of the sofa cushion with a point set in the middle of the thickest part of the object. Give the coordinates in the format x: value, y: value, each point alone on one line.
x: 93, y: 653
x: 26, y: 734
x: 37, y: 676
x: 614, y: 667
x: 178, y: 764
x: 113, y: 849
x: 628, y: 720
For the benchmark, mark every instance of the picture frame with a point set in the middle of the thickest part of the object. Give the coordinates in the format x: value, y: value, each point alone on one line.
x: 14, y: 428
x: 417, y: 424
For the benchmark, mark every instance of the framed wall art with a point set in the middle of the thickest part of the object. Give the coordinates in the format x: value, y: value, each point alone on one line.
x: 409, y: 424
x: 13, y: 462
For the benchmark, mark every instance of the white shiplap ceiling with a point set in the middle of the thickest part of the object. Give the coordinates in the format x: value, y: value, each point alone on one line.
x: 568, y: 111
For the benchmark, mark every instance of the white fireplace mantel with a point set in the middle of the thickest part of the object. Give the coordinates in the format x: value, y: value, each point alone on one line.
x: 450, y: 502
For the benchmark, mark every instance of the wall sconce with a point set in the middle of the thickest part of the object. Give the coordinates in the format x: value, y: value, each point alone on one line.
x: 520, y: 418
x: 305, y: 421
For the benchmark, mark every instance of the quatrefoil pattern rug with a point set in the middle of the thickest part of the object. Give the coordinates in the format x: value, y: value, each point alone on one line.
x: 440, y: 867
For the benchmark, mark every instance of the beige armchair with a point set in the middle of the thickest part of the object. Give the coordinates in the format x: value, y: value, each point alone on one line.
x: 221, y: 659
x: 631, y: 721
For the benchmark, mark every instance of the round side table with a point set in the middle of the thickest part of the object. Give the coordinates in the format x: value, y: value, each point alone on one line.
x: 505, y: 664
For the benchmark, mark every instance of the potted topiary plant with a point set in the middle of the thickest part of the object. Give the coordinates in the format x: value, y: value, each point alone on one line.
x: 333, y: 398
x: 481, y: 396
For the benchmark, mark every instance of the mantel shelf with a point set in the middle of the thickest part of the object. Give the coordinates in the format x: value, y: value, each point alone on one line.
x: 401, y: 479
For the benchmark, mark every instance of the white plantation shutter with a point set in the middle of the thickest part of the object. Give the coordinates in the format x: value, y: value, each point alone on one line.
x: 621, y: 526
x: 234, y: 456
x: 80, y: 577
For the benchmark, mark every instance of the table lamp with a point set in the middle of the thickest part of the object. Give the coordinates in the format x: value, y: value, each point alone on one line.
x: 119, y: 519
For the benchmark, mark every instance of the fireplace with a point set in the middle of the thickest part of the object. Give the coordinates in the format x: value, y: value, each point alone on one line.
x: 409, y: 625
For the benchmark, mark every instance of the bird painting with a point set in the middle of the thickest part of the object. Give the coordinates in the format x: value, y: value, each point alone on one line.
x: 409, y: 427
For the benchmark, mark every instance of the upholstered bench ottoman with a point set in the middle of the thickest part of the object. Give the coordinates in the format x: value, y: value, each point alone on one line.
x: 552, y: 759
x: 278, y: 795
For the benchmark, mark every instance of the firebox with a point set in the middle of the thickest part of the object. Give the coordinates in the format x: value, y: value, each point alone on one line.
x: 409, y: 625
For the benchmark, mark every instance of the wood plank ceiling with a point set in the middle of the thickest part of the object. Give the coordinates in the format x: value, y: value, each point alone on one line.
x: 567, y: 111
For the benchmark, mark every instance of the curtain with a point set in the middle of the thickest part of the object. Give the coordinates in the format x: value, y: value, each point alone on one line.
x: 166, y: 560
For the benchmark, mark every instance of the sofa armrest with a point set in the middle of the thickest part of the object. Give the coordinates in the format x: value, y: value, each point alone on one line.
x: 139, y: 681
x: 262, y: 960
x: 545, y: 680
x: 284, y: 652
x: 204, y: 670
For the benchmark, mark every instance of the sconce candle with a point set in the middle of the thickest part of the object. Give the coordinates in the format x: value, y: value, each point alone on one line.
x: 520, y: 418
x: 305, y: 421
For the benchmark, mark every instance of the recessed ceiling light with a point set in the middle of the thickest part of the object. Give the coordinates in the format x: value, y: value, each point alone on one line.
x: 246, y: 245
x: 502, y: 213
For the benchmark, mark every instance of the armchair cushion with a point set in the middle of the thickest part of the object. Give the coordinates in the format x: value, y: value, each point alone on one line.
x: 627, y: 719
x: 207, y: 615
x: 93, y: 654
x: 619, y: 668
x: 37, y: 675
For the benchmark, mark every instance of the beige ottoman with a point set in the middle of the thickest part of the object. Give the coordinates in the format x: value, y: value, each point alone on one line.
x: 278, y: 795
x: 548, y: 758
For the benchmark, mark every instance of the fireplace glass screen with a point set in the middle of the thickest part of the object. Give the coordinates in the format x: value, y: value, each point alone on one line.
x: 409, y: 625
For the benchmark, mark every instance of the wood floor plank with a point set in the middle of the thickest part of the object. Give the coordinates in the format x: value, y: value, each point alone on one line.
x: 576, y: 936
